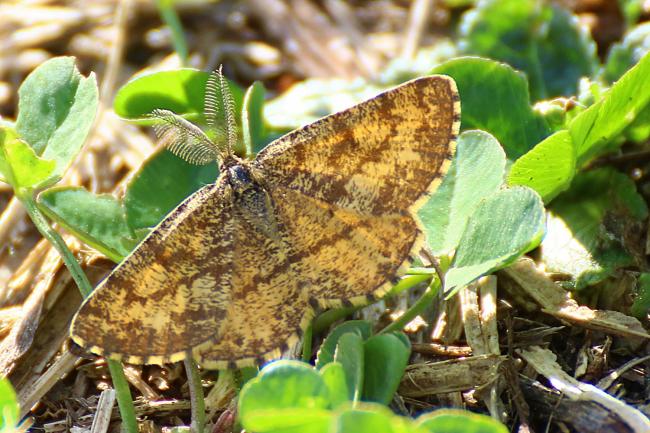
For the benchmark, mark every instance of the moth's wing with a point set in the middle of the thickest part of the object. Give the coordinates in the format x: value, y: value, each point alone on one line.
x: 171, y: 293
x: 269, y: 308
x: 380, y: 157
x: 346, y: 257
x: 350, y: 184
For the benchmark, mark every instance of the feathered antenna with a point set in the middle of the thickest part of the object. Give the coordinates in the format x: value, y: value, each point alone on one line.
x: 184, y: 139
x: 188, y: 141
x: 220, y: 111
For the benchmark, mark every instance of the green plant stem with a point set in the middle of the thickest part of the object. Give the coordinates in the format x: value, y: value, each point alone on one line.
x: 120, y: 383
x: 417, y: 308
x: 410, y: 281
x: 55, y: 239
x: 196, y: 395
x: 323, y: 321
x: 306, y: 343
x: 421, y: 271
x: 246, y: 374
x: 246, y: 124
x: 170, y: 18
x: 123, y: 395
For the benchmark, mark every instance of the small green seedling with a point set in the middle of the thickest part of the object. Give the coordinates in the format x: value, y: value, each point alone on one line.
x: 291, y: 396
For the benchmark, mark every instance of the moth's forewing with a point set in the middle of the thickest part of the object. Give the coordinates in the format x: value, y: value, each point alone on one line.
x: 382, y: 156
x: 162, y: 300
x: 368, y: 168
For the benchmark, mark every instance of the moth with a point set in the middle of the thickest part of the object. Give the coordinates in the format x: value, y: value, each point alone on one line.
x: 322, y: 217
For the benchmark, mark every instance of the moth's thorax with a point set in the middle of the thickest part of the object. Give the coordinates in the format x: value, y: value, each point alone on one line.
x: 251, y: 198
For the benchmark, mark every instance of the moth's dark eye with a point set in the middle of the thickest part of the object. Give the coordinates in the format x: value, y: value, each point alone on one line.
x: 239, y: 174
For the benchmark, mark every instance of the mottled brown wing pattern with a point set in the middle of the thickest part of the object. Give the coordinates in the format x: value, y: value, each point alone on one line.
x: 269, y: 306
x: 379, y: 157
x: 161, y: 301
x: 345, y: 256
x: 350, y: 185
x: 237, y: 287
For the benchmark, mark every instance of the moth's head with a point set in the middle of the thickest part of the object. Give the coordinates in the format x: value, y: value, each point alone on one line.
x: 240, y: 179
